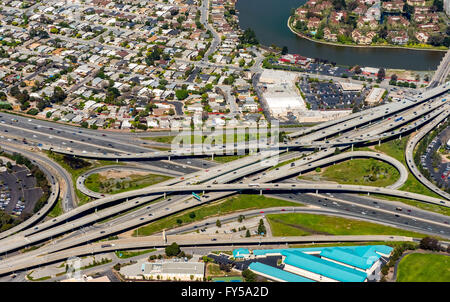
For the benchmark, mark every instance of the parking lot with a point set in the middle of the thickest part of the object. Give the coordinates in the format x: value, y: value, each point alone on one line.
x: 18, y: 191
x: 326, y: 96
x: 439, y: 172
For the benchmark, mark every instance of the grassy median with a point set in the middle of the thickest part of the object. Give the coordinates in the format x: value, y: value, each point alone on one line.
x: 310, y: 224
x: 219, y: 208
x: 369, y: 172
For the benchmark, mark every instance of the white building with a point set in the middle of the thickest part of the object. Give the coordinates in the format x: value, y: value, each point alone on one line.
x: 165, y: 270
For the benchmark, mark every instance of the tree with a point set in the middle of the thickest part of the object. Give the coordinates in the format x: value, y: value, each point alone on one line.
x: 381, y: 74
x: 218, y: 223
x: 428, y: 243
x: 284, y: 50
x: 192, y: 215
x: 438, y: 5
x: 436, y: 40
x: 173, y: 250
x: 248, y: 37
x: 248, y: 275
x: 394, y: 77
x: 181, y: 94
x: 58, y: 95
x: 247, y: 234
x: 261, y: 227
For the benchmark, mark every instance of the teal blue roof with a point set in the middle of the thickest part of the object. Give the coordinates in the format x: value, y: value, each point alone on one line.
x: 362, y: 251
x: 239, y: 253
x: 323, y: 267
x: 277, y: 273
x: 346, y: 256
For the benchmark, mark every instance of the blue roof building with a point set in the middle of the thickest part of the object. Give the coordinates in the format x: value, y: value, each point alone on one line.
x: 241, y: 253
x: 317, y: 267
x: 275, y: 273
x: 342, y: 263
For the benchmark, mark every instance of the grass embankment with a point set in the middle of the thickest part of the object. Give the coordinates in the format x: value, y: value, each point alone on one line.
x: 396, y: 149
x: 369, y: 172
x: 56, y: 210
x: 75, y: 167
x: 310, y: 224
x: 127, y: 254
x: 102, y: 184
x: 229, y: 205
x: 227, y: 158
x: 388, y: 243
x: 424, y: 268
x: 29, y: 277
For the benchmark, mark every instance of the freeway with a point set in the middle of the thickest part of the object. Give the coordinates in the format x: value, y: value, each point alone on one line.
x: 202, y: 176
x: 275, y: 210
x: 376, y: 134
x: 240, y: 171
x: 295, y: 168
x: 267, y: 188
x: 376, y: 112
x: 183, y: 241
x: 409, y: 155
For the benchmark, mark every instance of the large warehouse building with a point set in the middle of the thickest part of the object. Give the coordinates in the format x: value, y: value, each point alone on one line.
x: 323, y: 264
x: 281, y: 95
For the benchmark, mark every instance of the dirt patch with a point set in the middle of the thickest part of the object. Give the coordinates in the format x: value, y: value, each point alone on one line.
x: 302, y: 228
x: 113, y: 173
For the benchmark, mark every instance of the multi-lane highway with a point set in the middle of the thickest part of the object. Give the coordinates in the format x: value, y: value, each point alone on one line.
x: 254, y: 174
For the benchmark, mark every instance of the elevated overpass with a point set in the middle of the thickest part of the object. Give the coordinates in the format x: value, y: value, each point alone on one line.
x: 184, y: 241
x: 261, y: 188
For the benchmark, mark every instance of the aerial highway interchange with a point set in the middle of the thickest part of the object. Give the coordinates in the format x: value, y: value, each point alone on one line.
x: 76, y: 230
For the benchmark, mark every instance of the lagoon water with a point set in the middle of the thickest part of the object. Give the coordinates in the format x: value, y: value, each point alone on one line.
x: 268, y: 18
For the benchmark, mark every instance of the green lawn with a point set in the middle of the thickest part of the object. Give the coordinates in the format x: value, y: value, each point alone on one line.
x: 101, y: 184
x: 128, y: 254
x: 229, y: 205
x: 369, y: 172
x: 227, y: 158
x: 310, y: 224
x: 424, y: 268
x: 160, y: 139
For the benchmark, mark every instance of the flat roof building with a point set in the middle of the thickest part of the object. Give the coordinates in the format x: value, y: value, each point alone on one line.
x: 375, y: 95
x: 351, y: 86
x: 165, y: 270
